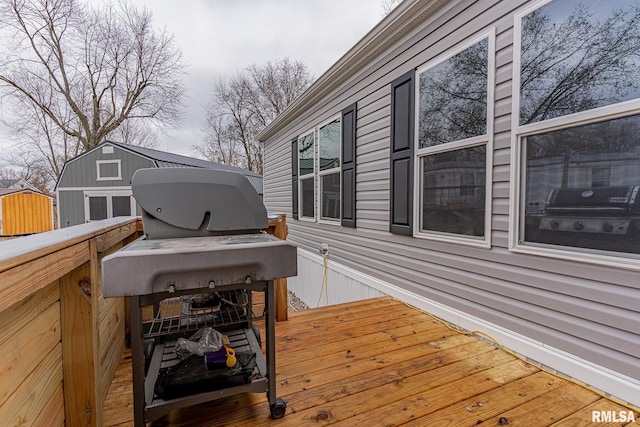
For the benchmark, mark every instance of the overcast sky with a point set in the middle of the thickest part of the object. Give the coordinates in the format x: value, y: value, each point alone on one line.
x: 221, y: 37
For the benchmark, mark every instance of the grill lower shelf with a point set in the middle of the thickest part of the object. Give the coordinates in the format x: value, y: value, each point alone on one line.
x: 164, y: 356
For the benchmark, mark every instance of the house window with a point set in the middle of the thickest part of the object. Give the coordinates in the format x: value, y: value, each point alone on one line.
x: 108, y: 204
x: 577, y: 92
x: 109, y: 170
x: 452, y: 137
x: 329, y: 169
x: 306, y: 174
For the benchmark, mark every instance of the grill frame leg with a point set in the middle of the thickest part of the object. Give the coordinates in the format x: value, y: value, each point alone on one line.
x: 137, y: 362
x: 271, y: 341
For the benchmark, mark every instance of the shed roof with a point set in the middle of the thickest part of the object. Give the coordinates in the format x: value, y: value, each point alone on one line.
x: 7, y: 191
x: 163, y: 159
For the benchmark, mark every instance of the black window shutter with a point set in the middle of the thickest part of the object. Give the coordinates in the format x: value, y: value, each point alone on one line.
x: 348, y: 197
x: 294, y: 177
x: 402, y: 136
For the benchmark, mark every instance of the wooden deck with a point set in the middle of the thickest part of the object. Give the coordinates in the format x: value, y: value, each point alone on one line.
x: 380, y: 362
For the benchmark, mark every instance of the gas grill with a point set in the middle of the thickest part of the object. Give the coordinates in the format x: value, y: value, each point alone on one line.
x: 201, y: 259
x: 605, y: 218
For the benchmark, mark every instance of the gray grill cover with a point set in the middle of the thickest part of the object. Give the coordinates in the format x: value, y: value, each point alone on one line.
x: 202, y: 230
x: 188, y: 202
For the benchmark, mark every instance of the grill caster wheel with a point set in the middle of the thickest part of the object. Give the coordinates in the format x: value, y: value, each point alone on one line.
x: 278, y: 409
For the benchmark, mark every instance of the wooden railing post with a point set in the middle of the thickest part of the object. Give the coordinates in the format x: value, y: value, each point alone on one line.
x: 78, y: 335
x: 278, y: 227
x: 93, y: 335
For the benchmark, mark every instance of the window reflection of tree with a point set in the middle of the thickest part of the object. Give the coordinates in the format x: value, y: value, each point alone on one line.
x: 453, y: 98
x: 583, y: 62
x: 306, y: 148
x: 329, y: 137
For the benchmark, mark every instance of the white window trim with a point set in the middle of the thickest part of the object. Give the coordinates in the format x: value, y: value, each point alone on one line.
x: 118, y: 162
x: 486, y: 140
x: 332, y: 221
x: 109, y: 195
x: 517, y: 191
x: 312, y: 175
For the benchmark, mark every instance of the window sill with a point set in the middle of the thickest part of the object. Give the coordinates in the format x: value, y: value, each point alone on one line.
x: 335, y: 222
x: 476, y: 242
x: 610, y: 259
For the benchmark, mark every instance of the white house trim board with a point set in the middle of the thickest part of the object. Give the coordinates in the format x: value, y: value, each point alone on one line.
x: 619, y: 386
x: 339, y: 288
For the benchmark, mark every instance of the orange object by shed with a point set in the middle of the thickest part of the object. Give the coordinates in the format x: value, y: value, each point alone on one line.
x: 24, y: 211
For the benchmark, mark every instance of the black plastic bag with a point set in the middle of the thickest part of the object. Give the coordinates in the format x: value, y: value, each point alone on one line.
x: 191, y: 376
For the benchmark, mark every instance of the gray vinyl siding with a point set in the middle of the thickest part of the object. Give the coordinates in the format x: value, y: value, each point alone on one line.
x: 71, y: 208
x: 277, y: 184
x: 591, y: 311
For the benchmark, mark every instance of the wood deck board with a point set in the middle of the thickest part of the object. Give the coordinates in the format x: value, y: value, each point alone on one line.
x: 379, y: 362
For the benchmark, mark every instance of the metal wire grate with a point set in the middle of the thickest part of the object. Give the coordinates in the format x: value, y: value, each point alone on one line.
x: 192, y: 312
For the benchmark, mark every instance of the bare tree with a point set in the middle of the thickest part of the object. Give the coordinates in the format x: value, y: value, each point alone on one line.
x: 74, y: 75
x: 389, y: 5
x: 246, y: 103
x: 32, y: 172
